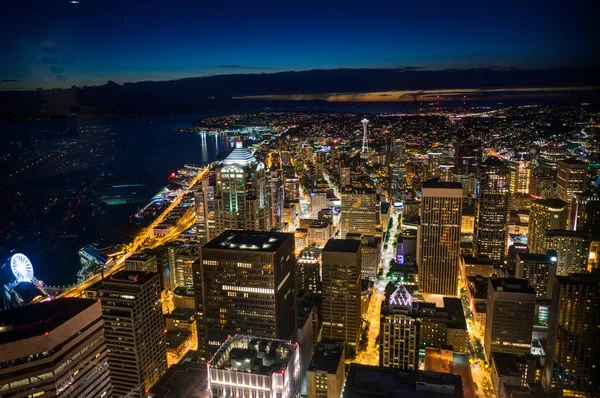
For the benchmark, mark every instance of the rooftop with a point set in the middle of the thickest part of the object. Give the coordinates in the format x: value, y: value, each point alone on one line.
x: 576, y: 279
x: 182, y: 314
x: 130, y: 277
x: 573, y: 162
x: 249, y: 240
x: 506, y: 364
x: 436, y: 183
x: 492, y: 161
x: 327, y: 356
x: 456, y: 315
x: 38, y: 319
x: 373, y: 381
x: 251, y: 354
x: 342, y: 245
x: 174, y: 338
x: 240, y: 156
x: 534, y: 257
x: 478, y: 286
x: 512, y: 285
x: 552, y: 203
x: 187, y: 379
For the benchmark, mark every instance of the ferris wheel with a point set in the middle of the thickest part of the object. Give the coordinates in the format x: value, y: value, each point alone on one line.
x: 21, y: 267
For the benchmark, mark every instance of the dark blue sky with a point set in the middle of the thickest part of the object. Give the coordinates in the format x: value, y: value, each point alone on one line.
x: 55, y: 43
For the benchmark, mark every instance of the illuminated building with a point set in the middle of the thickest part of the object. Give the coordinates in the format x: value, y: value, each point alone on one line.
x: 365, y: 141
x: 439, y: 237
x: 542, y: 186
x: 509, y: 317
x: 586, y: 211
x: 571, y: 178
x: 308, y: 271
x: 519, y: 176
x: 345, y: 176
x: 319, y: 232
x: 360, y: 211
x: 56, y: 348
x: 291, y: 184
x: 473, y: 266
x: 326, y: 375
x: 397, y: 185
x: 276, y: 191
x: 572, y: 249
x: 318, y: 202
x: 492, y: 210
x: 443, y: 326
x: 241, y: 193
x: 92, y: 261
x: 434, y: 159
x: 182, y: 333
x: 446, y: 172
x: 545, y: 214
x: 476, y: 289
x: 467, y: 157
x: 341, y: 292
x: 144, y: 262
x: 511, y: 371
x: 246, y: 284
x: 250, y: 366
x: 134, y: 330
x: 399, y: 331
x: 539, y: 270
x: 573, y: 350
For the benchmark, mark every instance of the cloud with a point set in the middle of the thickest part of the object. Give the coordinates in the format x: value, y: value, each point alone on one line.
x: 49, y: 50
x: 49, y: 60
x: 8, y: 81
x: 245, y: 67
x: 61, y: 77
x: 56, y: 69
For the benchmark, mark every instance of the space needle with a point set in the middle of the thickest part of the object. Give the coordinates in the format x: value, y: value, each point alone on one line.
x: 365, y: 145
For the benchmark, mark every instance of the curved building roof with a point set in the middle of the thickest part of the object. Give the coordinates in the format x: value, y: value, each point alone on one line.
x: 240, y: 156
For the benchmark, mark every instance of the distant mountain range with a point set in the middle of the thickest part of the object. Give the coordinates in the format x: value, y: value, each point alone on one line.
x: 231, y: 91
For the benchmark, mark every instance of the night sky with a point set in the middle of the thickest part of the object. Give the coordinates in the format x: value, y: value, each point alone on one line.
x: 55, y: 43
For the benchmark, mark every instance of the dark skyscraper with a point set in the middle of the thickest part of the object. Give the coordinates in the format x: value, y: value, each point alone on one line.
x: 573, y: 355
x: 246, y: 284
x: 491, y: 232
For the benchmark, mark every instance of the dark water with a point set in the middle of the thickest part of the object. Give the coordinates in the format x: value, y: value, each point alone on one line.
x: 146, y: 150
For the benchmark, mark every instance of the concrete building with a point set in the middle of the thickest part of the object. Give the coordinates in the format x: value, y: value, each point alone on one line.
x: 510, y: 315
x: 345, y: 177
x: 144, y: 262
x: 373, y: 381
x: 319, y: 232
x: 473, y: 266
x: 477, y: 292
x: 571, y: 178
x: 399, y: 331
x: 308, y: 270
x: 371, y: 254
x: 360, y: 211
x: 545, y: 214
x: 492, y: 210
x: 250, y: 366
x: 539, y: 270
x: 572, y: 250
x: 56, y: 348
x: 318, y: 202
x: 325, y: 377
x: 246, y: 284
x: 519, y: 176
x: 134, y: 330
x: 439, y: 237
x: 572, y: 364
x: 341, y: 292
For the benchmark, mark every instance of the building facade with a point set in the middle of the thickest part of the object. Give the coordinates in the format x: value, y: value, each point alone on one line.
x: 545, y: 214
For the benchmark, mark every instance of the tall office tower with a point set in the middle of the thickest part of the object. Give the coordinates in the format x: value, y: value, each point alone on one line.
x: 539, y: 270
x: 434, y: 159
x: 345, y: 176
x: 467, y: 157
x: 205, y: 209
x: 446, y: 172
x: 519, y: 176
x: 573, y: 349
x: 308, y: 271
x: 438, y: 235
x: 326, y: 372
x: 397, y: 180
x: 276, y: 192
x: 586, y: 211
x: 291, y: 184
x: 509, y: 316
x: 549, y: 156
x: 365, y: 142
x: 491, y: 232
x: 134, y: 329
x: 572, y: 250
x: 340, y: 289
x: 246, y: 284
x: 544, y: 214
x: 56, y: 348
x: 399, y: 331
x: 542, y: 186
x: 255, y: 366
x: 571, y: 178
x: 241, y: 195
x: 360, y: 211
x: 318, y: 202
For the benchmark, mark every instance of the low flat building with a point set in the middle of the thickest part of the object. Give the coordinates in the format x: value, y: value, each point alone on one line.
x: 178, y: 343
x: 376, y: 382
x: 325, y: 376
x: 250, y: 366
x: 187, y: 379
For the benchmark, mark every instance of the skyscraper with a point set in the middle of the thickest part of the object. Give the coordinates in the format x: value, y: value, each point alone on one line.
x: 545, y: 214
x: 519, y: 176
x: 345, y: 177
x: 341, y: 291
x: 509, y: 316
x: 246, y: 284
x: 434, y: 159
x: 325, y: 376
x: 360, y: 211
x: 241, y: 193
x: 585, y: 211
x: 572, y: 249
x: 439, y: 237
x: 134, y: 329
x: 573, y: 351
x: 539, y: 270
x: 56, y: 348
x: 571, y: 178
x: 491, y: 233
x: 399, y: 331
